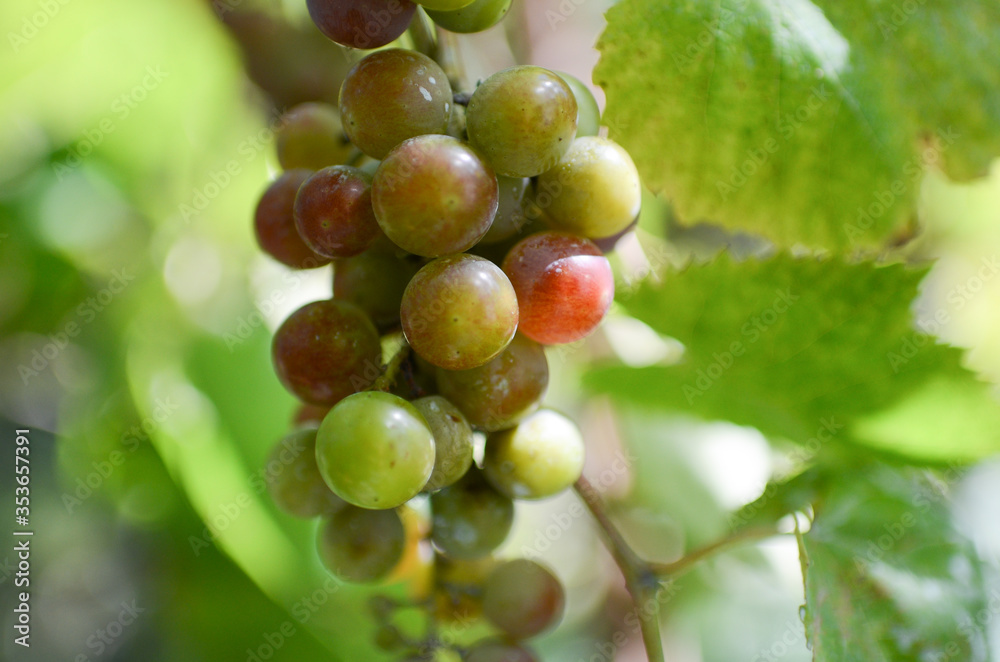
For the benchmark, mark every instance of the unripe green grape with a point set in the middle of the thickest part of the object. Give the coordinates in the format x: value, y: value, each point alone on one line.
x: 540, y: 457
x: 594, y: 191
x: 452, y: 440
x: 333, y: 212
x: 522, y: 119
x: 325, y: 351
x: 500, y: 651
x: 434, y: 195
x: 512, y: 210
x: 374, y: 281
x: 311, y: 136
x: 459, y: 312
x: 294, y: 481
x: 458, y: 587
x: 361, y: 546
x: 470, y: 518
x: 476, y: 17
x: 444, y: 5
x: 523, y: 598
x: 375, y: 450
x: 496, y: 395
x: 588, y: 116
x: 393, y: 95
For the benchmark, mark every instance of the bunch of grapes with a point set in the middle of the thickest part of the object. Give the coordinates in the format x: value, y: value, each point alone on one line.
x: 472, y: 224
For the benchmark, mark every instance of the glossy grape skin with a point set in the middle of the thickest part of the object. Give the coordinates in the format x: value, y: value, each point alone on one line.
x: 476, y: 17
x: 588, y: 116
x: 274, y: 223
x: 452, y: 440
x: 362, y: 24
x: 564, y: 286
x: 540, y: 457
x: 444, y: 5
x: 522, y: 119
x: 434, y: 195
x: 459, y: 312
x: 333, y: 212
x: 470, y: 518
x: 523, y: 598
x: 294, y: 481
x: 393, y: 95
x: 311, y: 136
x: 512, y: 211
x: 594, y: 191
x: 375, y: 450
x: 375, y: 282
x: 325, y: 351
x: 361, y: 546
x: 500, y: 651
x: 497, y: 394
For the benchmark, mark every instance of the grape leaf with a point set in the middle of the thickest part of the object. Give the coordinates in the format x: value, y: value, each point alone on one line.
x: 886, y: 575
x: 809, y: 350
x: 806, y: 122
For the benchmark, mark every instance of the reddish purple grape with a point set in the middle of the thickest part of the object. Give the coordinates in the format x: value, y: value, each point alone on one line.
x: 500, y: 651
x: 496, y: 395
x: 325, y: 351
x: 564, y: 286
x: 333, y: 212
x: 434, y: 195
x: 523, y: 598
x: 459, y: 312
x: 362, y: 23
x: 274, y: 223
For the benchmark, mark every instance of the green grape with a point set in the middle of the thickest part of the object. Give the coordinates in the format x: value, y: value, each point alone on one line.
x: 500, y: 651
x: 513, y: 211
x: 374, y: 281
x: 434, y: 195
x: 459, y: 312
x: 375, y: 450
x: 361, y: 545
x: 393, y: 95
x: 523, y: 598
x: 496, y: 395
x: 522, y: 119
x: 325, y: 351
x: 333, y: 212
x: 476, y: 17
x: 294, y: 481
x: 452, y: 440
x: 588, y: 116
x: 470, y: 518
x: 444, y: 5
x: 540, y: 457
x: 594, y: 191
x: 310, y: 136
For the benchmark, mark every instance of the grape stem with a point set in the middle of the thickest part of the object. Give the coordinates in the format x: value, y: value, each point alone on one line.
x: 642, y: 578
x: 388, y: 377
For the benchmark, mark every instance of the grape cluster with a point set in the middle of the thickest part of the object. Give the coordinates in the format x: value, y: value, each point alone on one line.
x: 471, y: 224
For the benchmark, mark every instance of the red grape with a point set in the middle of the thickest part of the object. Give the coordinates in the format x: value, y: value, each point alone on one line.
x: 325, y: 351
x: 361, y: 23
x: 523, y: 598
x: 333, y: 212
x: 564, y: 286
x: 274, y: 223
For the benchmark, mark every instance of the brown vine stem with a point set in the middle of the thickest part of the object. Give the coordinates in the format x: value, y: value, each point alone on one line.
x: 689, y: 560
x: 387, y: 379
x: 640, y: 580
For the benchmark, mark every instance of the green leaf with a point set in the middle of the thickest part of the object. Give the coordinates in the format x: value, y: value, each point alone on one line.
x: 806, y: 122
x: 809, y: 350
x: 886, y: 575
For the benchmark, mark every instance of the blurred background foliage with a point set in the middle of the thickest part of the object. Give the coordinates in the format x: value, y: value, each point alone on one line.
x: 135, y: 318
